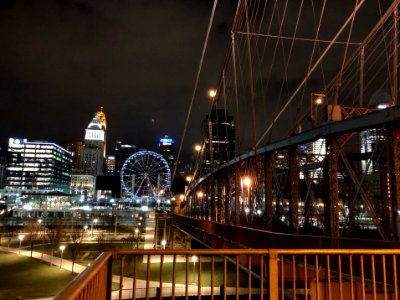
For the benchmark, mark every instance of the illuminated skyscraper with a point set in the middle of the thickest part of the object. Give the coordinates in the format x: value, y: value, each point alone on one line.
x: 166, y: 146
x: 76, y: 149
x: 122, y: 153
x: 219, y: 130
x: 102, y: 118
x: 110, y: 165
x: 37, y: 167
x: 92, y: 157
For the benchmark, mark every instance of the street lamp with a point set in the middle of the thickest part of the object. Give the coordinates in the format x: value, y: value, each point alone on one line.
x: 194, y: 259
x: 93, y: 221
x: 41, y: 236
x: 317, y: 99
x: 197, y: 148
x: 212, y: 93
x: 137, y: 239
x: 62, y: 247
x: 163, y: 243
x: 200, y: 203
x: 20, y: 237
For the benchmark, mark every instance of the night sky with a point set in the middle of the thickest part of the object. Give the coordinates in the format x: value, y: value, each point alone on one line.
x: 61, y: 60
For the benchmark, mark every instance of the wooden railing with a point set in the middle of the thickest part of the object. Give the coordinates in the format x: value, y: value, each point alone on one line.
x: 255, y: 273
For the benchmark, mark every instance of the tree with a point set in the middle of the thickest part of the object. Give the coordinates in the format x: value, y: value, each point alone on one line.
x: 32, y: 230
x: 76, y: 236
x: 55, y: 234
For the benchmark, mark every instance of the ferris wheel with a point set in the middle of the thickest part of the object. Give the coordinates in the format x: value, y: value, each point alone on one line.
x: 145, y: 173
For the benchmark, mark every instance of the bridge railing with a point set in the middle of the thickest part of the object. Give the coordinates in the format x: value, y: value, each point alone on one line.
x: 252, y: 273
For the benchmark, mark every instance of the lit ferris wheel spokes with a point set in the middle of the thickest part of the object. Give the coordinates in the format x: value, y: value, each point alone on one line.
x: 145, y: 173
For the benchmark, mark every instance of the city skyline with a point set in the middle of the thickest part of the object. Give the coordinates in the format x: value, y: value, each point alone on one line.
x: 139, y: 61
x: 62, y: 61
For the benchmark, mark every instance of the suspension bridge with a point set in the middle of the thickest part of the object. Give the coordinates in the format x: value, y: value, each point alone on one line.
x: 316, y: 120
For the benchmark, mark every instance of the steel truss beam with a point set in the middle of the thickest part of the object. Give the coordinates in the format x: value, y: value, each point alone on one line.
x: 276, y: 172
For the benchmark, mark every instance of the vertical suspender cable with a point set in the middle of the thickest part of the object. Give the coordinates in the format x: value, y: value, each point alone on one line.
x: 253, y: 108
x: 395, y: 54
x: 196, y: 84
x: 360, y: 4
x: 339, y: 82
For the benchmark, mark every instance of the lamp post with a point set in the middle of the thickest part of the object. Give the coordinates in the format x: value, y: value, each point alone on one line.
x: 20, y: 237
x: 247, y: 183
x: 200, y: 197
x: 194, y: 259
x: 137, y: 231
x: 62, y: 247
x: 93, y: 221
x: 41, y: 236
x: 317, y: 99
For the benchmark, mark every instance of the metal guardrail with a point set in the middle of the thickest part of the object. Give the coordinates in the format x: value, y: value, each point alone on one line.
x: 254, y: 273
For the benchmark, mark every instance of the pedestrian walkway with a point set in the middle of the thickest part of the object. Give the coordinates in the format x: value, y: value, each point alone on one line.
x: 127, y: 284
x: 54, y: 260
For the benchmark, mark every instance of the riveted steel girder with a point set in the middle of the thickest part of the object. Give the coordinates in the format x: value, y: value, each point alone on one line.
x: 394, y: 171
x: 331, y: 205
x: 294, y: 190
x: 268, y: 191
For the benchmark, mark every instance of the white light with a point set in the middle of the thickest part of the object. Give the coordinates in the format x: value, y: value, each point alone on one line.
x: 86, y: 208
x: 382, y: 106
x: 145, y: 208
x: 27, y: 207
x: 259, y: 211
x: 194, y: 258
x: 247, y: 210
x: 212, y: 93
x: 318, y: 101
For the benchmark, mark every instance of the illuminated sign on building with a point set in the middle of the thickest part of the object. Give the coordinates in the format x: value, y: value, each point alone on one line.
x: 166, y: 142
x: 94, y: 135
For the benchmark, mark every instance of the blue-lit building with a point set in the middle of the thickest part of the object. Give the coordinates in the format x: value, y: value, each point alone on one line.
x: 166, y: 146
x: 37, y: 167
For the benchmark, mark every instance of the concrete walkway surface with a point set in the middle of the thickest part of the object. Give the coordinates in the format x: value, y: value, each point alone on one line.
x: 127, y: 284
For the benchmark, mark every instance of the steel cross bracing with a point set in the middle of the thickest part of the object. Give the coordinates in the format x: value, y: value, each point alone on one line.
x: 336, y: 193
